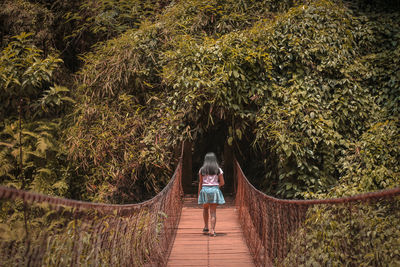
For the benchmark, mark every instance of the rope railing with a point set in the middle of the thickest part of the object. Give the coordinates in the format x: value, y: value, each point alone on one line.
x: 268, y: 223
x: 40, y: 230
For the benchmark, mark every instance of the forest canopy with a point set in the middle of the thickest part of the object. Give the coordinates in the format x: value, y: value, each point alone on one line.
x: 106, y: 91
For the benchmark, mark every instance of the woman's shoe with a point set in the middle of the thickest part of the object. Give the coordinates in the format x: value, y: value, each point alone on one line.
x: 213, y: 234
x: 205, y: 229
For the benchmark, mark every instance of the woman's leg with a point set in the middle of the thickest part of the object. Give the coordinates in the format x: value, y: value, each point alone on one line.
x: 213, y: 214
x: 205, y: 214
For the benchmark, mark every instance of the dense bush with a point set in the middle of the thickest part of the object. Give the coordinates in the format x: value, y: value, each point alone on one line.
x: 361, y: 234
x: 357, y: 235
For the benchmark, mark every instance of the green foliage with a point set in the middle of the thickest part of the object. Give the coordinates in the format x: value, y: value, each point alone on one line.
x: 23, y: 72
x: 299, y: 76
x: 357, y: 235
x: 291, y: 75
x: 25, y: 75
x: 216, y: 17
x: 105, y: 19
x: 301, y: 80
x: 127, y: 64
x: 361, y: 234
x: 334, y: 131
x: 318, y: 104
x: 219, y: 79
x: 54, y: 101
x: 118, y: 136
x: 120, y: 156
x: 40, y: 153
x: 18, y: 16
x: 371, y: 163
x: 377, y: 68
x: 46, y: 20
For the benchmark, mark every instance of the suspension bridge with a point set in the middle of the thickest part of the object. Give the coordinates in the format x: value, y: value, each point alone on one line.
x: 252, y: 229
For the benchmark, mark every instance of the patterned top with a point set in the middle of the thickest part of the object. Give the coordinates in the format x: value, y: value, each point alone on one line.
x: 211, y: 180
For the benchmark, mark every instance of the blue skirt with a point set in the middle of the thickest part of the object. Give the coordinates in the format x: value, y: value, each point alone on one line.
x: 211, y: 194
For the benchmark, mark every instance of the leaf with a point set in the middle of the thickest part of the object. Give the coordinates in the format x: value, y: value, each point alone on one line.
x: 45, y: 171
x: 42, y: 144
x: 239, y: 134
x: 230, y: 141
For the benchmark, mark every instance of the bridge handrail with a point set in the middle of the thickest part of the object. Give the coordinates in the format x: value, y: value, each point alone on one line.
x: 369, y: 195
x: 267, y: 221
x: 41, y: 230
x: 32, y: 197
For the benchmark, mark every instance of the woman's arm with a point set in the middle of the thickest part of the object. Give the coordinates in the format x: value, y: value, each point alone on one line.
x: 200, y: 184
x: 221, y: 180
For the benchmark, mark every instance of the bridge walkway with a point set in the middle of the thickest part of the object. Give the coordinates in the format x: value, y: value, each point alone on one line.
x: 193, y: 248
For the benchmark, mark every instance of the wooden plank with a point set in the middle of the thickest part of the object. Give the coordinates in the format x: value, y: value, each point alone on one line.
x: 194, y: 248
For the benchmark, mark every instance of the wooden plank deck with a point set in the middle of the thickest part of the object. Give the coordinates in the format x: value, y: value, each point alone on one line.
x: 193, y: 248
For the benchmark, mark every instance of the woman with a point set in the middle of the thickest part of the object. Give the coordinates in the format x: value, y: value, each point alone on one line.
x: 210, y: 180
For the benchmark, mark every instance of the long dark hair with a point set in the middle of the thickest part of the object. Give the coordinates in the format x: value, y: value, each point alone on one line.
x: 210, y: 165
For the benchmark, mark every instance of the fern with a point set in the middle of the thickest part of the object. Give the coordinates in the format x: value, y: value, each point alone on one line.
x: 42, y: 144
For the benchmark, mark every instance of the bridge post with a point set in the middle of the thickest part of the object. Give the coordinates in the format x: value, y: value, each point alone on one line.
x: 228, y: 168
x: 187, y: 167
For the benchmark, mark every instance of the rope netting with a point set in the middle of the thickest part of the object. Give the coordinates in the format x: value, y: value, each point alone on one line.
x: 40, y: 230
x: 276, y: 230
